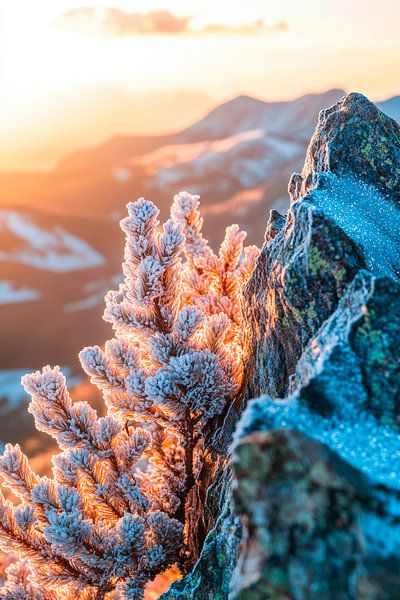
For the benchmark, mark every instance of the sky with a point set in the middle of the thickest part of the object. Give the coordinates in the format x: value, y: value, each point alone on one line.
x: 270, y: 49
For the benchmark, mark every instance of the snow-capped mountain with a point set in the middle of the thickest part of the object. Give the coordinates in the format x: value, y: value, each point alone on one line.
x: 243, y: 160
x: 292, y: 119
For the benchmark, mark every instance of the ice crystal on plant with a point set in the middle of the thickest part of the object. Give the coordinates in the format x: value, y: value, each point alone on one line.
x: 109, y: 521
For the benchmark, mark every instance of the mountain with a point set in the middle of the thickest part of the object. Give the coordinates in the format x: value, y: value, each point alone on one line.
x: 244, y: 113
x: 285, y: 119
x: 61, y: 246
x: 391, y: 107
x: 25, y: 241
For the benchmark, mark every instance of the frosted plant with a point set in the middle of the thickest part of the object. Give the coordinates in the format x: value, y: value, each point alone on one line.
x: 90, y: 529
x: 213, y: 282
x: 114, y: 513
x: 18, y: 586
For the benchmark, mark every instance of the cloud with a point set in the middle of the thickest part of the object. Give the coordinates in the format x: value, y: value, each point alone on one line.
x: 280, y: 26
x: 258, y: 26
x: 112, y: 21
x: 119, y: 23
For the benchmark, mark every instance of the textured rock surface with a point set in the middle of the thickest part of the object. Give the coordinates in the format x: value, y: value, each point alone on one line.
x: 353, y: 137
x: 301, y: 531
x: 211, y: 577
x: 346, y: 398
x: 217, y: 530
x: 354, y: 356
x: 344, y: 216
x: 313, y: 511
x: 298, y: 280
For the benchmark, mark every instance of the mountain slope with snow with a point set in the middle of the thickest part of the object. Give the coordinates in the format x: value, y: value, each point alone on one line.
x: 241, y: 161
x: 293, y: 118
x: 52, y: 249
x: 9, y: 294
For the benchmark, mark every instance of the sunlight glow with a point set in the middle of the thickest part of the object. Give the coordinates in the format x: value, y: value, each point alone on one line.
x: 299, y: 47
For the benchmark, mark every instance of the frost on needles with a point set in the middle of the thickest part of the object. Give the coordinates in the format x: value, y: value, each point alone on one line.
x: 116, y: 510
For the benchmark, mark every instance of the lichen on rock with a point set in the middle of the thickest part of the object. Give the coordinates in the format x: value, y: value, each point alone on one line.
x: 353, y: 137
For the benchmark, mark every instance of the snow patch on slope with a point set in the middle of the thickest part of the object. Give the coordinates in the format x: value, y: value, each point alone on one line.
x: 121, y: 175
x: 53, y: 249
x: 170, y: 154
x: 96, y: 290
x: 11, y: 295
x: 245, y: 159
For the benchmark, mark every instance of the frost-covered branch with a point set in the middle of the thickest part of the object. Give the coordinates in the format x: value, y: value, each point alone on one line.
x: 113, y: 514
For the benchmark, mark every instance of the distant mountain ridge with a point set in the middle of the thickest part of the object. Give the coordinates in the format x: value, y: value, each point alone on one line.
x: 244, y: 113
x: 391, y: 107
x: 288, y: 119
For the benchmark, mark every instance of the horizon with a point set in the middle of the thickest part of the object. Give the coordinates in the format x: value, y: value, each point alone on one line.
x: 24, y: 162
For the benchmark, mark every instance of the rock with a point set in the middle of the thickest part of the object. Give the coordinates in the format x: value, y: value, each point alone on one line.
x: 311, y: 510
x: 276, y: 223
x: 302, y: 536
x: 344, y: 216
x: 346, y: 401
x: 210, y: 578
x: 358, y: 345
x: 353, y: 137
x: 215, y: 533
x: 299, y: 277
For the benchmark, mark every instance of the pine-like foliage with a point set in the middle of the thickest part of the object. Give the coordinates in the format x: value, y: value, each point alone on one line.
x: 113, y: 516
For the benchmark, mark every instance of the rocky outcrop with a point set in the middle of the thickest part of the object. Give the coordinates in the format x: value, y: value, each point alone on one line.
x: 307, y: 265
x: 352, y: 137
x: 332, y: 487
x: 301, y: 532
x: 313, y: 509
x: 344, y: 216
